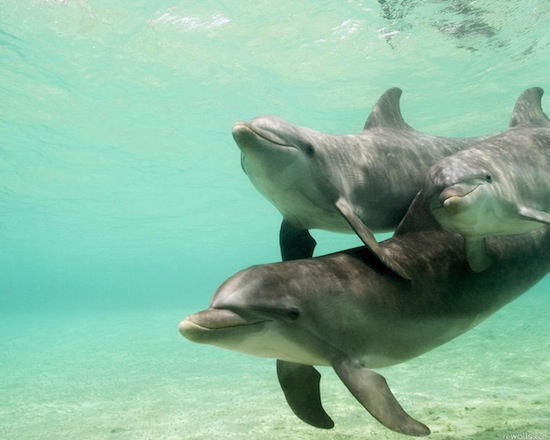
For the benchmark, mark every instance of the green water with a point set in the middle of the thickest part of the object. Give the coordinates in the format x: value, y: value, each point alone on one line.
x: 123, y: 205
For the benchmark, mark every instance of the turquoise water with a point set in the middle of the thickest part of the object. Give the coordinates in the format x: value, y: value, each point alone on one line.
x: 123, y: 205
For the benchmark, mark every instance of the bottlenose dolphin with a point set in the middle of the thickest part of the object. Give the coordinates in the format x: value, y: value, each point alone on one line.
x: 347, y: 311
x: 500, y: 186
x: 345, y: 183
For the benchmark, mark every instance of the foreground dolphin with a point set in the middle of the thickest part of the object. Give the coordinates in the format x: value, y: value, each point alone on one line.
x: 500, y: 186
x: 352, y: 182
x: 347, y: 311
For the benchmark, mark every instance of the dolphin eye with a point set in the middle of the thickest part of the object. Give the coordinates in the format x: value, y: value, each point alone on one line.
x: 488, y: 178
x: 309, y: 149
x: 293, y: 314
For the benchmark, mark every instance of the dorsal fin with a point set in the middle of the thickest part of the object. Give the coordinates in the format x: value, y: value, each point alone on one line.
x: 528, y: 110
x: 386, y: 112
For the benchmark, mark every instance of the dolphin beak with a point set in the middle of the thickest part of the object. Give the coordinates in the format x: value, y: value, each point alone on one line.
x: 200, y: 326
x: 451, y: 199
x: 453, y: 205
x: 454, y: 198
x: 243, y: 134
x: 246, y: 135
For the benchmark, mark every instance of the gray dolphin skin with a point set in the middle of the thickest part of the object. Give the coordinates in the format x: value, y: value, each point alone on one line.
x: 343, y: 311
x: 360, y: 183
x: 500, y: 186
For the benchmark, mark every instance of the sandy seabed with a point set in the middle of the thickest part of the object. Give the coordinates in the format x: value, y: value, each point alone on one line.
x: 130, y: 375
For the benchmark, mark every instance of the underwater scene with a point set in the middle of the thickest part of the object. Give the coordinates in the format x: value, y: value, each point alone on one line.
x: 124, y: 206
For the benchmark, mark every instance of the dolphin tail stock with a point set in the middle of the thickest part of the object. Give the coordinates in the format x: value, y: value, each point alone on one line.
x: 368, y: 239
x: 300, y: 385
x: 372, y: 391
x: 528, y: 110
x: 295, y: 243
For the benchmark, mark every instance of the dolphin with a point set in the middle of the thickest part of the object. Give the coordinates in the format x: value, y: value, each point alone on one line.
x: 360, y: 183
x: 347, y: 311
x: 499, y: 186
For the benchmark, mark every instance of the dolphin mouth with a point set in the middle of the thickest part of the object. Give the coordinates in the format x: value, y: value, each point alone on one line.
x: 243, y: 132
x: 452, y: 199
x: 196, y: 327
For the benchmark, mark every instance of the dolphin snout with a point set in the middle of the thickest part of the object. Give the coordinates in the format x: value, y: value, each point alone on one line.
x: 455, y: 198
x: 259, y: 131
x: 243, y: 134
x: 213, y: 319
x: 188, y: 329
x: 202, y: 326
x: 453, y: 205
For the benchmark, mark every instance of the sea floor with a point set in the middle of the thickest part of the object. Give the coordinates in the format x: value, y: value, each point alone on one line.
x: 130, y: 375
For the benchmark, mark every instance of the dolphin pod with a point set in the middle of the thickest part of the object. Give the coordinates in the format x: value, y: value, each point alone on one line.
x: 500, y: 186
x: 348, y: 311
x: 360, y: 183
